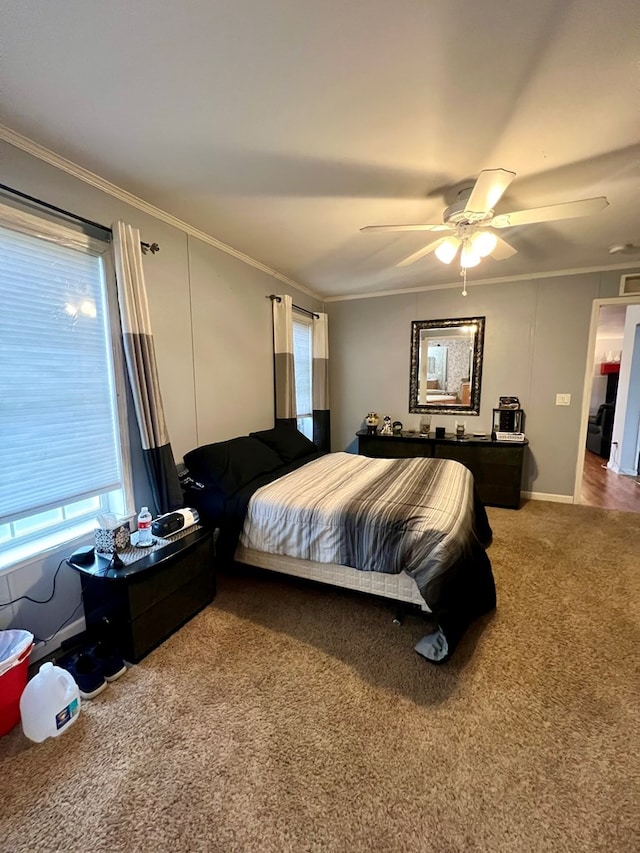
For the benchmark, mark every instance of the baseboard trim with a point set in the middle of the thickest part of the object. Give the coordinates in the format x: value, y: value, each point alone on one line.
x: 542, y: 496
x: 44, y: 649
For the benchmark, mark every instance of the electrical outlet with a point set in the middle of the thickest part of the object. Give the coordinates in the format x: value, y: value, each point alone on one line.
x: 563, y: 399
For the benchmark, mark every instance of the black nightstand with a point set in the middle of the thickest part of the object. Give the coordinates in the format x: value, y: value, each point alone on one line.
x: 146, y: 601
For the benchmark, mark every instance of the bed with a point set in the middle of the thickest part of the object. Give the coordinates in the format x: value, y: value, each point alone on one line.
x: 412, y: 530
x: 441, y: 397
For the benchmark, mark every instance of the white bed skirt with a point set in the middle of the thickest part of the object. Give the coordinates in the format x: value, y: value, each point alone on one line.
x: 441, y: 398
x: 400, y: 587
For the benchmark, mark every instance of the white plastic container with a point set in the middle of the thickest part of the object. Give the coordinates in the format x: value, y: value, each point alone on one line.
x: 50, y: 703
x: 144, y: 528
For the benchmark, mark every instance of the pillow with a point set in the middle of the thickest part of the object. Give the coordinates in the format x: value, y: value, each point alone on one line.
x: 287, y: 441
x: 230, y: 465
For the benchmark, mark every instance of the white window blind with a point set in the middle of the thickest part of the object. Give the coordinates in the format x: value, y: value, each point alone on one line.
x: 303, y: 363
x: 58, y: 420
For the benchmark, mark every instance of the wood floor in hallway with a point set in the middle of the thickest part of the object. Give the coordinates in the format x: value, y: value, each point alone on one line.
x: 601, y: 487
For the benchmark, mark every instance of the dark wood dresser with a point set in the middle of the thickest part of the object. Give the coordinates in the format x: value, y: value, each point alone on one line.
x: 496, y: 465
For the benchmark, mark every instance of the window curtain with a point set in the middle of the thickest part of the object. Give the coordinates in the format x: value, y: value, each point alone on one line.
x: 142, y: 370
x: 284, y: 377
x: 321, y: 412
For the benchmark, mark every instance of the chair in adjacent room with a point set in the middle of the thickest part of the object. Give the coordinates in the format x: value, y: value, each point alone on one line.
x: 600, y: 429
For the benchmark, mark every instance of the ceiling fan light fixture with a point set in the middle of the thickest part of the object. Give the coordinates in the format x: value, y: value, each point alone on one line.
x: 482, y: 243
x: 472, y: 214
x: 448, y: 249
x: 468, y: 258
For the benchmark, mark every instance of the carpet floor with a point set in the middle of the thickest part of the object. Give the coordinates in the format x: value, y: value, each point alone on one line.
x: 288, y: 716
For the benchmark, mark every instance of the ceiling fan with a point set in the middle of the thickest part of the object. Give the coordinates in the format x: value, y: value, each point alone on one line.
x: 469, y: 221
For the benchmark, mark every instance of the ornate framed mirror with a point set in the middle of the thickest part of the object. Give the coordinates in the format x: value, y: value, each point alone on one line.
x: 446, y: 366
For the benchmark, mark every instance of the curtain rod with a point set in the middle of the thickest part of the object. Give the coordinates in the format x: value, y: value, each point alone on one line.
x: 272, y: 296
x: 146, y: 247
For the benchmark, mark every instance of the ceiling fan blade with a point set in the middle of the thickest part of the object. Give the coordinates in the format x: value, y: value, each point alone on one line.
x: 502, y: 250
x: 487, y: 192
x: 568, y: 210
x: 406, y: 228
x: 426, y: 250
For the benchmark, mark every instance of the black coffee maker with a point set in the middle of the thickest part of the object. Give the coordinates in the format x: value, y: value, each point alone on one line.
x: 508, y: 417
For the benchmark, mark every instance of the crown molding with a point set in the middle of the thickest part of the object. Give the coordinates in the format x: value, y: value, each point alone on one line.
x: 457, y: 285
x: 16, y: 139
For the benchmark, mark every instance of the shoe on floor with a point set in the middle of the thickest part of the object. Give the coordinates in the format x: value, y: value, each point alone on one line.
x: 88, y: 674
x: 113, y: 665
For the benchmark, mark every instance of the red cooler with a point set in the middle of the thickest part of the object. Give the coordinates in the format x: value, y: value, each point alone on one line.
x: 15, y: 648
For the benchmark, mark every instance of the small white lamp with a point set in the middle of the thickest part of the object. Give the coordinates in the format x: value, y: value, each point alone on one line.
x: 448, y: 249
x: 468, y: 258
x: 482, y: 243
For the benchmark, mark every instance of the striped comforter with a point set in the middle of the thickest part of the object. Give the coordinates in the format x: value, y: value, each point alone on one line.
x: 384, y: 515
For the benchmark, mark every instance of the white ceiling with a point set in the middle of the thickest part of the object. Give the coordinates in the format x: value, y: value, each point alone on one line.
x: 282, y: 127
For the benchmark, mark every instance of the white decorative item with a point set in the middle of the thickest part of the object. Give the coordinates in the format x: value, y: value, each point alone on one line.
x: 112, y: 540
x: 425, y: 424
x: 372, y: 420
x: 387, y: 429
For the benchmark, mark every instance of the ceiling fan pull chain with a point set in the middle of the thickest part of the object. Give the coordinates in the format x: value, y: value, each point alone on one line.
x: 463, y: 273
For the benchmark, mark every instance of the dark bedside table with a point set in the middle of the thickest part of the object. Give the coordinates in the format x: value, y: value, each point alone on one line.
x: 147, y: 600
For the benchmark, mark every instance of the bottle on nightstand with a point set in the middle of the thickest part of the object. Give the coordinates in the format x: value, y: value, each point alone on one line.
x: 145, y: 537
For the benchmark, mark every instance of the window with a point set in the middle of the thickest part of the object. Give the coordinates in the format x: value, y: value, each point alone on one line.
x: 303, y: 366
x: 60, y: 425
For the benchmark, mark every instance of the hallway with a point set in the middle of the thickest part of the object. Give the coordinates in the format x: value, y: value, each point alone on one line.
x: 601, y: 487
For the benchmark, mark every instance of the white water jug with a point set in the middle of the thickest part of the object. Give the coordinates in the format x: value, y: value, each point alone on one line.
x: 50, y: 703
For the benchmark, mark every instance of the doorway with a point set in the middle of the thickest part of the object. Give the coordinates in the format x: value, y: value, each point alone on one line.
x: 604, y: 488
x: 610, y: 433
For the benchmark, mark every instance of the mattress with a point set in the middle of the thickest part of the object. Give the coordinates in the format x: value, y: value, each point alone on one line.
x: 441, y: 398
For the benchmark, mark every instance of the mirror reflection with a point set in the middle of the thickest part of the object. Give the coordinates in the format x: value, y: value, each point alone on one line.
x: 446, y: 365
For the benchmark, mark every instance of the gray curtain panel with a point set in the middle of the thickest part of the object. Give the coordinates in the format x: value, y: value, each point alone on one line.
x: 140, y: 356
x: 321, y: 412
x: 285, y: 386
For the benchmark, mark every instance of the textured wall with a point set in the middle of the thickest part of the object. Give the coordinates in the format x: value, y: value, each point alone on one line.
x: 536, y: 342
x: 213, y: 339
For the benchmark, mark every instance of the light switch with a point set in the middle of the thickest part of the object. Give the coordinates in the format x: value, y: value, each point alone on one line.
x: 563, y: 399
